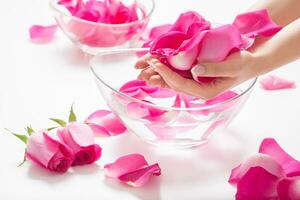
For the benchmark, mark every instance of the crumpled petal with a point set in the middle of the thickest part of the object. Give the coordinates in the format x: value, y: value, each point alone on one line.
x: 42, y: 34
x: 255, y: 23
x: 258, y: 184
x: 288, y: 189
x: 105, y: 122
x: 276, y: 83
x: 48, y: 152
x: 259, y: 160
x: 290, y: 166
x: 132, y: 169
x: 80, y: 138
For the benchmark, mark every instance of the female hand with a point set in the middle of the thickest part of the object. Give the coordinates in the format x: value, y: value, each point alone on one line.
x: 229, y: 73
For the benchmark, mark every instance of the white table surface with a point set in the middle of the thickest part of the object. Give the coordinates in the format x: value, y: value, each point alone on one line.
x: 42, y: 81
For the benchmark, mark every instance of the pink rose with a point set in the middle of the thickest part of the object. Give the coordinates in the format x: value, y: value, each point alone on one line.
x: 80, y: 138
x: 47, y: 151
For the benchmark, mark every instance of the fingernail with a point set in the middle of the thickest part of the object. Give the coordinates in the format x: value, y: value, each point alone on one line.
x: 151, y: 64
x: 198, y: 70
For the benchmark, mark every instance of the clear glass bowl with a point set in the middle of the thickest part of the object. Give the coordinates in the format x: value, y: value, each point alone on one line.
x: 178, y: 126
x: 94, y: 37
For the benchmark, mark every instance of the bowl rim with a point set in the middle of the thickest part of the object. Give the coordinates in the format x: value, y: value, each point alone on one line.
x: 131, y: 50
x: 54, y: 6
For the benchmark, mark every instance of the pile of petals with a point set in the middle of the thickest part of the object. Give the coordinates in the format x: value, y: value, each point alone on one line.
x: 276, y: 83
x: 106, y: 11
x: 270, y: 174
x: 69, y: 144
x: 193, y: 39
x: 132, y: 169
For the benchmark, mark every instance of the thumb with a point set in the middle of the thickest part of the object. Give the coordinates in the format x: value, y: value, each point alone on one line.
x: 211, y: 70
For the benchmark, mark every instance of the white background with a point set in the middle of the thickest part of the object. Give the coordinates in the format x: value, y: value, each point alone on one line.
x: 42, y: 81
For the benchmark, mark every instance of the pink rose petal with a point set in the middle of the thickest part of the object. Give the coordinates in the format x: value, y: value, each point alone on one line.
x: 80, y: 138
x: 289, y: 189
x: 276, y: 83
x: 42, y: 34
x: 257, y: 184
x: 256, y: 23
x: 105, y: 121
x: 290, y: 166
x: 132, y: 169
x: 48, y: 152
x: 141, y: 176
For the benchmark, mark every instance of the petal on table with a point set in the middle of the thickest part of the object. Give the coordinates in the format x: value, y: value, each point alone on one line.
x: 141, y: 176
x: 276, y: 83
x: 257, y: 183
x: 256, y: 23
x: 125, y: 164
x: 290, y: 166
x: 259, y: 160
x: 288, y: 189
x: 41, y: 34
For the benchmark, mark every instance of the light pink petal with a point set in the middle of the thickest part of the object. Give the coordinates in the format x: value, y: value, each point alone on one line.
x: 105, y: 121
x: 276, y: 83
x: 259, y: 160
x: 289, y: 189
x: 211, y: 128
x: 81, y: 134
x: 185, y: 56
x: 256, y: 23
x: 42, y: 34
x: 125, y: 164
x: 141, y: 176
x: 290, y: 166
x: 219, y: 42
x: 258, y: 184
x: 162, y: 93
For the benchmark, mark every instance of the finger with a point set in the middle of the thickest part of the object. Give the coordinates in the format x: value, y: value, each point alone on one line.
x: 156, y: 80
x: 212, y: 70
x: 146, y: 74
x: 142, y: 61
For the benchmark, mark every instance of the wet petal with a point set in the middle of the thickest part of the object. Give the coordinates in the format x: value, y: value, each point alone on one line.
x: 105, y: 121
x: 41, y: 34
x: 290, y: 166
x: 276, y: 83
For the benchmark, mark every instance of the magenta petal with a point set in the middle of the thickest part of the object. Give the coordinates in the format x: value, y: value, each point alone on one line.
x: 157, y: 31
x: 105, y: 121
x: 276, y: 83
x: 185, y: 56
x: 256, y: 23
x: 42, y: 34
x: 141, y: 176
x: 257, y: 184
x: 290, y: 166
x: 258, y: 160
x: 289, y: 189
x: 125, y: 164
x: 219, y: 42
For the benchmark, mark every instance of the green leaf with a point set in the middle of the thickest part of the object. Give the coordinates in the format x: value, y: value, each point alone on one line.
x: 24, y: 159
x: 23, y: 138
x: 29, y: 130
x: 51, y: 128
x: 59, y: 121
x: 72, y: 116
